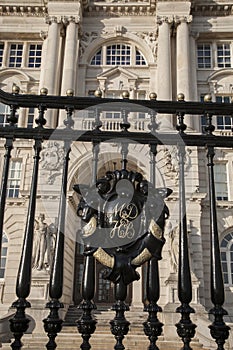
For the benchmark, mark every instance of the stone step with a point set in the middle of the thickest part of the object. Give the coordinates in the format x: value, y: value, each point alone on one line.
x: 99, y: 341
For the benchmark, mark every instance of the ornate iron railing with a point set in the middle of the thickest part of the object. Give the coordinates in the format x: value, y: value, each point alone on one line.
x: 121, y: 271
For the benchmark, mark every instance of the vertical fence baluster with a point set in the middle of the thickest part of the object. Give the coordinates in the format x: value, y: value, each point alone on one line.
x: 19, y: 323
x: 53, y: 323
x: 185, y: 327
x: 153, y: 327
x: 218, y: 329
x: 119, y: 325
x: 12, y: 119
x: 86, y: 324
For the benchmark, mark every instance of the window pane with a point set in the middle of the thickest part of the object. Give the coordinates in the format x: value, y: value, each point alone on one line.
x: 34, y: 55
x: 204, y: 56
x: 1, y: 53
x: 223, y: 55
x: 118, y: 55
x: 221, y: 186
x: 14, y: 178
x: 16, y: 55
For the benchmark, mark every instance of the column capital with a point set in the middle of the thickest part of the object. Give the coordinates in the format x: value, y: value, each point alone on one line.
x: 165, y: 19
x: 71, y: 19
x: 53, y: 19
x: 183, y: 19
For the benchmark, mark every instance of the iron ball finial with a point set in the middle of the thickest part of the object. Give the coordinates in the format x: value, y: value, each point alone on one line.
x: 207, y: 98
x: 44, y: 91
x: 70, y: 92
x: 125, y: 95
x: 153, y: 96
x: 98, y: 93
x: 15, y: 89
x: 180, y: 97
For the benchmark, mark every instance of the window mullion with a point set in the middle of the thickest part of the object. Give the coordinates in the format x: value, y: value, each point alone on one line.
x: 104, y: 54
x: 25, y: 54
x: 214, y: 54
x: 5, y: 54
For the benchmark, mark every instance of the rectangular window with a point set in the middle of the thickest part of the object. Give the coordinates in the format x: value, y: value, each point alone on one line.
x: 31, y: 113
x: 1, y: 53
x: 221, y: 188
x: 34, y: 55
x: 113, y: 115
x: 4, y: 113
x: 14, y: 178
x: 223, y: 55
x: 204, y: 56
x: 16, y: 55
x: 224, y: 122
x: 118, y: 54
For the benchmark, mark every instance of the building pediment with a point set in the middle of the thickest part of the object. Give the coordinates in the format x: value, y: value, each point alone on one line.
x: 117, y: 78
x: 116, y: 71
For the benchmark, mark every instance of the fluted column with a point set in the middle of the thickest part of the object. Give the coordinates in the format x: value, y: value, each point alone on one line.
x: 183, y: 62
x: 44, y: 37
x: 71, y: 50
x: 71, y: 53
x: 50, y: 73
x: 164, y: 75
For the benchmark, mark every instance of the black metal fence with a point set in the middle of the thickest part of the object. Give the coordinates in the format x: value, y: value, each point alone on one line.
x: 121, y: 262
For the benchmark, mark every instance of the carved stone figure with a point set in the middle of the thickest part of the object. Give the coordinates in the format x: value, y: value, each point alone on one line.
x: 174, y: 248
x: 43, y: 244
x: 125, y: 218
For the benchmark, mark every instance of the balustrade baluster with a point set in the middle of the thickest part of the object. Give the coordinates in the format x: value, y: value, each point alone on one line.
x: 53, y: 323
x: 185, y: 327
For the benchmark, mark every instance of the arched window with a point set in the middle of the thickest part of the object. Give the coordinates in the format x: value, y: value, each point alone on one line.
x: 118, y: 55
x: 226, y: 249
x: 3, y: 255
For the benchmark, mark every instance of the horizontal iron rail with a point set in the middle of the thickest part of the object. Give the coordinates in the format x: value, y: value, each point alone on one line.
x: 80, y: 103
x: 103, y: 136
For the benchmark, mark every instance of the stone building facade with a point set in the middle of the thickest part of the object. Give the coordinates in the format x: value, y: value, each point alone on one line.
x: 139, y: 46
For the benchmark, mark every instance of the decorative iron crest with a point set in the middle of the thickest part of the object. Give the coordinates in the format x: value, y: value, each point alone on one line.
x: 124, y: 222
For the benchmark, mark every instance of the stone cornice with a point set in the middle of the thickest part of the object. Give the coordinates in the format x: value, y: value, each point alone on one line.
x: 205, y: 9
x: 121, y: 8
x: 23, y: 11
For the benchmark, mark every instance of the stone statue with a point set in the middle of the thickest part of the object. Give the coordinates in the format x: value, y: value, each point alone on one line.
x: 43, y: 245
x: 174, y: 248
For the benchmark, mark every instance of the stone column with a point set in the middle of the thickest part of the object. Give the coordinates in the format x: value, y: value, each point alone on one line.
x: 183, y: 62
x: 50, y: 66
x: 137, y: 291
x: 44, y: 37
x: 69, y: 74
x: 71, y: 54
x: 164, y: 74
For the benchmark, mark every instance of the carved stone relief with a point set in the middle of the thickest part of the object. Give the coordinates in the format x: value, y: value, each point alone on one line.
x: 52, y: 160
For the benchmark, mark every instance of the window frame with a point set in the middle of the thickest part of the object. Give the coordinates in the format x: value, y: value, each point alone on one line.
x: 227, y: 263
x: 214, y: 54
x: 130, y: 60
x: 14, y: 189
x: 221, y: 184
x: 5, y: 242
